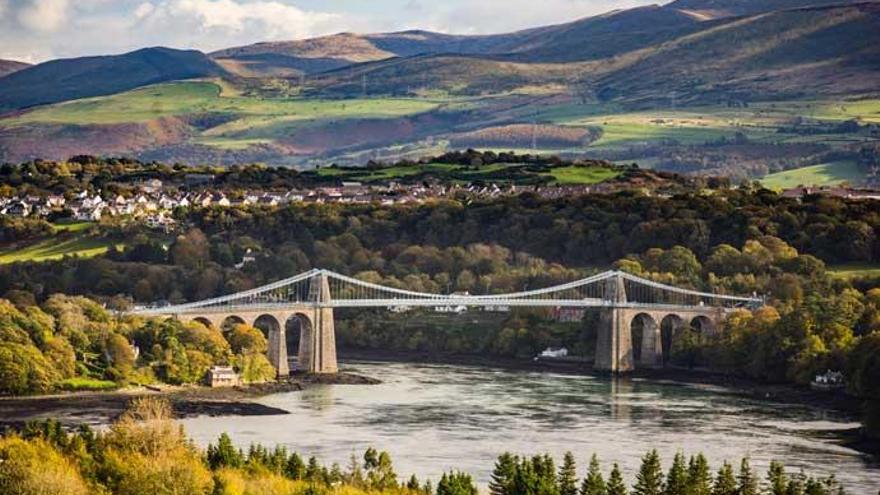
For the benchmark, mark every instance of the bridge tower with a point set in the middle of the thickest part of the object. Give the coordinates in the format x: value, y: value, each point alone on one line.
x: 318, y: 350
x: 614, y: 340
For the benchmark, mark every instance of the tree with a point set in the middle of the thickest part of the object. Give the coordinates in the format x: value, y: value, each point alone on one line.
x: 747, y: 482
x: 501, y: 480
x: 34, y: 467
x: 699, y: 478
x: 725, y: 482
x: 777, y: 479
x: 456, y: 483
x: 677, y: 479
x: 593, y: 483
x: 649, y: 480
x: 295, y: 468
x: 245, y: 338
x: 568, y: 475
x: 615, y: 482
x: 224, y: 454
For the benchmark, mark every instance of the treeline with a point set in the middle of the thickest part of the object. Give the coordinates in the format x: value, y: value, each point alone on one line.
x: 515, y: 475
x: 123, y: 175
x: 71, y: 343
x: 146, y: 452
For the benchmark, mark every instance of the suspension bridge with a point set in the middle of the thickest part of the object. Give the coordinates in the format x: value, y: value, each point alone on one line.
x: 637, y: 316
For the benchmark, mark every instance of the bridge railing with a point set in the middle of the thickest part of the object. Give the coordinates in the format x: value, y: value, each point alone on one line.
x: 599, y: 290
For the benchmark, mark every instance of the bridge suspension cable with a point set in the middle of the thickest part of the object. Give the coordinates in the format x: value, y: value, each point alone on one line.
x: 612, y: 288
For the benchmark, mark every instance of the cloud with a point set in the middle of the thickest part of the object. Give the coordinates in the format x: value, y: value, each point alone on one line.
x: 270, y: 19
x: 44, y: 15
x: 43, y: 29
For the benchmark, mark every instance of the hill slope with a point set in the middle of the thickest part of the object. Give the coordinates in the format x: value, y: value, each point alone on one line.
x: 731, y: 8
x: 9, y: 66
x: 62, y: 80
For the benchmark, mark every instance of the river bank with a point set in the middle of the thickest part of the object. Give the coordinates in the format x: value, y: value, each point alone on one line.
x: 101, y: 408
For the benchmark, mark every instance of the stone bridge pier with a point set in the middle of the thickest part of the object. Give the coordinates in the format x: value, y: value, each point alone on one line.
x: 631, y: 337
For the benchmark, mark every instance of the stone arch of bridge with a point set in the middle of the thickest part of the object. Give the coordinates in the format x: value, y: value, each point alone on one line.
x: 231, y: 321
x: 703, y: 324
x: 299, y: 332
x: 645, y: 340
x: 670, y: 326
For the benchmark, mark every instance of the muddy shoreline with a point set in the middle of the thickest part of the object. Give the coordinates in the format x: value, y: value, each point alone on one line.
x: 101, y: 408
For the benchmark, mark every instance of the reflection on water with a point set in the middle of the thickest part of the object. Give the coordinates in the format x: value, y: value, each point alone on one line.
x: 433, y: 418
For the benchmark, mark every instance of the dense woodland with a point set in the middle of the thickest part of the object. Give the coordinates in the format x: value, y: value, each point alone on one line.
x: 146, y: 452
x: 739, y: 241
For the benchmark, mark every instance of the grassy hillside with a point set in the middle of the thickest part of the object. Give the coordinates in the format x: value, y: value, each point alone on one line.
x: 825, y: 174
x: 55, y: 248
x: 62, y: 80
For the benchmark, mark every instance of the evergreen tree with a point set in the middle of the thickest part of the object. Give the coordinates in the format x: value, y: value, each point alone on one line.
x: 313, y: 470
x: 568, y: 475
x: 296, y: 468
x: 677, y: 479
x: 501, y: 482
x: 456, y: 483
x: 525, y: 480
x: 699, y: 478
x: 413, y: 484
x: 615, y: 482
x: 725, y: 481
x: 649, y: 480
x: 224, y: 454
x: 777, y: 479
x: 747, y: 483
x: 545, y: 474
x: 593, y: 484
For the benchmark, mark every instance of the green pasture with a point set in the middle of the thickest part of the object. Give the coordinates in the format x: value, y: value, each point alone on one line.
x: 55, y: 248
x: 825, y: 174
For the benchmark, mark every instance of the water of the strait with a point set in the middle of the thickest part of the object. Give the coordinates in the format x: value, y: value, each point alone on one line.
x: 433, y: 418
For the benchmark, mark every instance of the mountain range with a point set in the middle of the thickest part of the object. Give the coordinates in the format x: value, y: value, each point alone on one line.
x: 685, y: 53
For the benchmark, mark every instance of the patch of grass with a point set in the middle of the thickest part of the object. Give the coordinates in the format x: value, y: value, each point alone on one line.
x: 581, y: 175
x: 825, y: 174
x: 854, y: 270
x: 80, y: 383
x: 195, y: 97
x: 56, y: 248
x: 73, y: 227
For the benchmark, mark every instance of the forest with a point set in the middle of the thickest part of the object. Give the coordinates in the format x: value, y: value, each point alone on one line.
x: 739, y: 240
x: 145, y: 451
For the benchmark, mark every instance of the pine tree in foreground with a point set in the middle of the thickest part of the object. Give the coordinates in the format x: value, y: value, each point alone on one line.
x: 501, y: 482
x: 593, y: 484
x: 747, y: 483
x: 649, y: 480
x: 725, y: 481
x: 699, y: 477
x: 677, y: 479
x: 567, y: 478
x: 615, y: 482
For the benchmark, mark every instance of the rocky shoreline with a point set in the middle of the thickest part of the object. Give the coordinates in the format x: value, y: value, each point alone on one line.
x: 101, y: 408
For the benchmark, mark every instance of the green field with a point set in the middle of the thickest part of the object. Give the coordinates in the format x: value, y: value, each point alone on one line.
x: 696, y: 125
x: 201, y: 97
x: 854, y: 270
x: 581, y: 175
x: 56, y: 248
x: 825, y: 174
x: 496, y: 172
x: 87, y: 384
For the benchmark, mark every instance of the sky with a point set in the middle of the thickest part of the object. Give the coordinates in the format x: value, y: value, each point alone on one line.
x: 39, y: 30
